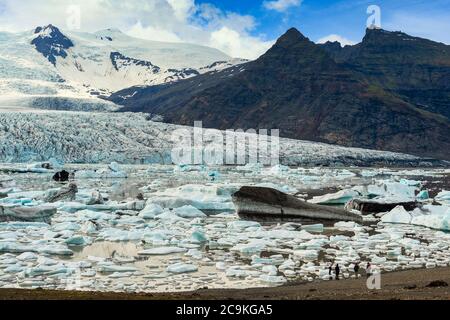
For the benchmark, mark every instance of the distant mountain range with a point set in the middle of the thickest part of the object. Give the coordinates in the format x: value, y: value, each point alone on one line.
x: 51, y: 68
x: 390, y: 92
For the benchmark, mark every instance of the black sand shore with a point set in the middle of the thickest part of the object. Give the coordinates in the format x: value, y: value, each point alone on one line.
x: 403, y: 285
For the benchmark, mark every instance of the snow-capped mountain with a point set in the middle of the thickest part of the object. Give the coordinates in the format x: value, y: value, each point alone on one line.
x: 52, y: 68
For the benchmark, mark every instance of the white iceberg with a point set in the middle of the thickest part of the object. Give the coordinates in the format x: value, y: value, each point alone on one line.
x: 189, y: 212
x: 397, y: 215
x: 181, y: 268
x: 161, y: 251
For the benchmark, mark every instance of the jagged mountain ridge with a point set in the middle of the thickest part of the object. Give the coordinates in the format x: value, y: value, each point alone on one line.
x: 416, y: 69
x: 51, y: 63
x: 305, y: 91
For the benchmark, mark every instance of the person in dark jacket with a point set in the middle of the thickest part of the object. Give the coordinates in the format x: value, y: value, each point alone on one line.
x: 368, y: 270
x: 337, y: 270
x: 356, y: 269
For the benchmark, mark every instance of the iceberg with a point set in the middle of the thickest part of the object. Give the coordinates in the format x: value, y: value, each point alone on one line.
x: 189, y: 212
x: 341, y: 197
x: 397, y: 215
x: 273, y: 279
x: 178, y: 268
x: 150, y: 211
x: 114, y: 269
x: 161, y: 251
x: 423, y: 195
x: 443, y: 197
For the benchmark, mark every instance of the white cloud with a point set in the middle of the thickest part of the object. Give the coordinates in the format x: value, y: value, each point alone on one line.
x: 229, y: 40
x: 281, y: 5
x: 335, y: 37
x: 160, y: 20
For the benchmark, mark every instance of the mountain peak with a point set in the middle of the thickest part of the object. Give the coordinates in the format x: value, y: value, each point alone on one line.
x: 48, y: 29
x: 292, y: 36
x: 51, y: 42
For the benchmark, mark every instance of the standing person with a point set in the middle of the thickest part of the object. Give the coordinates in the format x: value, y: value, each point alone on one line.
x: 369, y: 269
x: 337, y: 270
x: 356, y: 269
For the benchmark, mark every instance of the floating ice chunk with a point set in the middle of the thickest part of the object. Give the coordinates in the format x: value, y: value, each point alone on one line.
x: 89, y: 227
x: 128, y: 220
x: 64, y: 226
x: 72, y: 207
x: 317, y: 228
x: 253, y: 247
x: 270, y: 270
x: 435, y: 221
x: 222, y: 266
x: 443, y: 197
x: 423, y: 195
x: 21, y: 248
x: 397, y: 215
x: 306, y: 254
x: 287, y: 265
x: 341, y: 197
x: 47, y: 270
x: 189, y: 212
x: 202, y: 197
x: 275, y: 260
x: 113, y: 171
x: 369, y: 173
x: 44, y: 261
x: 241, y: 272
x: 378, y: 260
x: 194, y: 253
x: 78, y: 241
x: 273, y: 279
x: 113, y: 268
x: 411, y: 183
x: 161, y: 251
x: 388, y: 189
x: 169, y: 217
x: 23, y: 225
x: 239, y: 225
x: 28, y: 256
x: 178, y: 268
x: 14, y: 268
x: 346, y: 225
x: 278, y: 170
x: 150, y: 211
x: 199, y: 236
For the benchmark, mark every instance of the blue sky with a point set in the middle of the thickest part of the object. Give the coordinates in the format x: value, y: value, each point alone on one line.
x: 241, y: 28
x: 319, y: 18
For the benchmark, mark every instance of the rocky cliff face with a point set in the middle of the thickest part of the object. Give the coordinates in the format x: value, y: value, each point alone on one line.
x: 311, y: 92
x: 416, y: 69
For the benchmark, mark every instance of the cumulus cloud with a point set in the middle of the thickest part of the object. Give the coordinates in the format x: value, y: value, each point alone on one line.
x: 160, y: 20
x: 281, y: 5
x: 335, y: 37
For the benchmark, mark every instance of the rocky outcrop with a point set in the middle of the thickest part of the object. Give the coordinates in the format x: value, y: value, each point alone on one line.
x: 27, y: 214
x: 263, y: 203
x: 66, y: 193
x: 378, y: 206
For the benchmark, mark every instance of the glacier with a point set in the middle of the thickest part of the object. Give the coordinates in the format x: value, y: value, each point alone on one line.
x: 132, y: 138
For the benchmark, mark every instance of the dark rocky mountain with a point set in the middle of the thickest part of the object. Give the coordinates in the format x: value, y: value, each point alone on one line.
x: 314, y: 92
x: 51, y: 42
x: 416, y: 69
